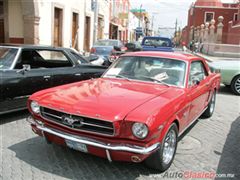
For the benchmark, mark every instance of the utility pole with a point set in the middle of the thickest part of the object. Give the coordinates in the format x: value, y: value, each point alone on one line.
x: 176, y: 24
x: 95, y: 30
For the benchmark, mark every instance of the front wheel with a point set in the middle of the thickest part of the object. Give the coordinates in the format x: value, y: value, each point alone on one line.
x: 235, y: 85
x: 163, y: 157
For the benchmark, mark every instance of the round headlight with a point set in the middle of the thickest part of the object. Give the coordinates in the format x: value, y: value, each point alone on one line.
x: 35, y: 107
x: 140, y: 130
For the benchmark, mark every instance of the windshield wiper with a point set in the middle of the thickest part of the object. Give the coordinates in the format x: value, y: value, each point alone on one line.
x: 154, y: 79
x: 118, y: 76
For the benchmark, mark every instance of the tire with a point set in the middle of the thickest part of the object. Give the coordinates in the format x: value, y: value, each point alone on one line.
x: 158, y: 160
x: 211, y: 106
x: 235, y: 85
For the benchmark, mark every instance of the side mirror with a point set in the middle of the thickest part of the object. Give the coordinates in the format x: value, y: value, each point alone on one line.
x: 195, y: 81
x: 26, y: 67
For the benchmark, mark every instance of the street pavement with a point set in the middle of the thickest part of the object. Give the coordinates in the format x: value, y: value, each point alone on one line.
x: 210, y: 145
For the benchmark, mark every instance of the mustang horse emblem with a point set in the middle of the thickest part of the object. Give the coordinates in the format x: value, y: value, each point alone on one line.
x: 69, y: 120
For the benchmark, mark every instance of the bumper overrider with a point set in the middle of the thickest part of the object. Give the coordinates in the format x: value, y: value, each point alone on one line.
x: 131, y: 150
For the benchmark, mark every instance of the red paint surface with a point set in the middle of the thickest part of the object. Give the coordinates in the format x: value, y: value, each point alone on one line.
x: 124, y: 102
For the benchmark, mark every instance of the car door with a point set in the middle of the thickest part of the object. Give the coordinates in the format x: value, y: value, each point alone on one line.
x: 198, y: 89
x: 38, y: 76
x: 63, y: 67
x: 11, y: 92
x: 74, y: 68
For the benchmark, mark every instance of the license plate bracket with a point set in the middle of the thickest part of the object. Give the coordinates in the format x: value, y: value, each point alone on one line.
x: 76, y: 146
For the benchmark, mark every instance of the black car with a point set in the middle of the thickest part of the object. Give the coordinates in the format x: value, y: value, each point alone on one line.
x: 25, y: 69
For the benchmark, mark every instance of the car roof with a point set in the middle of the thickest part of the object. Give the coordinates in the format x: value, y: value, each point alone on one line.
x: 108, y: 40
x: 32, y: 46
x: 161, y: 54
x: 156, y: 37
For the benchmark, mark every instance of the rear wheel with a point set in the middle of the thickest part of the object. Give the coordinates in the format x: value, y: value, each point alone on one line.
x: 163, y: 157
x: 235, y: 85
x: 211, y: 106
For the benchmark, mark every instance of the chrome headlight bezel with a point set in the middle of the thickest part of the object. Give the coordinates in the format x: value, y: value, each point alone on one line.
x: 140, y: 130
x: 35, y: 107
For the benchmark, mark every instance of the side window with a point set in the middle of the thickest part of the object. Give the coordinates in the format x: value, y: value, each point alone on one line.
x: 78, y: 57
x: 43, y: 59
x: 197, y: 72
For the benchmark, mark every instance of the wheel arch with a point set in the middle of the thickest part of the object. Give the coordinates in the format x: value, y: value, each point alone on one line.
x: 234, y: 78
x: 165, y: 129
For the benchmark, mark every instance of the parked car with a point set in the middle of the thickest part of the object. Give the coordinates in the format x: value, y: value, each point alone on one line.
x: 133, y: 46
x: 104, y: 48
x: 25, y: 69
x: 230, y: 73
x: 130, y: 47
x: 135, y: 112
x: 155, y: 43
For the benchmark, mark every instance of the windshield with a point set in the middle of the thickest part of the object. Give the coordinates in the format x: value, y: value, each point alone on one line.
x: 7, y: 56
x: 157, y: 42
x: 152, y: 69
x: 106, y: 43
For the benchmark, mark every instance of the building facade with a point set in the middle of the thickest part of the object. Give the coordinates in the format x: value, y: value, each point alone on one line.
x: 203, y: 11
x: 118, y: 18
x: 53, y: 22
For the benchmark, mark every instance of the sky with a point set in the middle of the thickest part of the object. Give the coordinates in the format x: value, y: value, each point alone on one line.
x: 166, y: 12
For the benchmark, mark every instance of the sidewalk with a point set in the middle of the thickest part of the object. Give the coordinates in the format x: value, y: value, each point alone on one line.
x: 214, y: 58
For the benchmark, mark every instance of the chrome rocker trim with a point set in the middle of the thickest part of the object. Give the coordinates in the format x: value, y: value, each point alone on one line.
x: 92, y: 142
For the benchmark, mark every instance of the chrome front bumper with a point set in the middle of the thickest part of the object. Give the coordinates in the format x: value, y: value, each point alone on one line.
x: 92, y: 142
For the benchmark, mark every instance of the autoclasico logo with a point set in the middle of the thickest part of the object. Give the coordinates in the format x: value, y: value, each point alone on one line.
x: 193, y: 175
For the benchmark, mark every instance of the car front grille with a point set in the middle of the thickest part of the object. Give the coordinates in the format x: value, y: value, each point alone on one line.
x: 78, y: 122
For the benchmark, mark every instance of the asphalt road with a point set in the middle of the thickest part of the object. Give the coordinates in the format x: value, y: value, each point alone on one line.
x: 210, y: 145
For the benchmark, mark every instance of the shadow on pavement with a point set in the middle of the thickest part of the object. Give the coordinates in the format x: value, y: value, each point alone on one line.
x: 14, y: 116
x: 226, y: 90
x: 72, y: 164
x: 230, y: 156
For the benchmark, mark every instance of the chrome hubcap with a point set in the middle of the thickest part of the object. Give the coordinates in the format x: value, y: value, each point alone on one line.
x: 212, y: 105
x: 237, y: 85
x: 169, y: 146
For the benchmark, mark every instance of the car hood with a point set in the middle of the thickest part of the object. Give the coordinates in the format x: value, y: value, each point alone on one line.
x: 108, y: 99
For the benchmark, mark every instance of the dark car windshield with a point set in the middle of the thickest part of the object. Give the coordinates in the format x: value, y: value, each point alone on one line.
x: 7, y: 56
x: 154, y: 69
x: 106, y: 43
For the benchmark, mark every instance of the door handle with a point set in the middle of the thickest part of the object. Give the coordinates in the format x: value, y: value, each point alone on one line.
x: 78, y: 74
x: 46, y: 77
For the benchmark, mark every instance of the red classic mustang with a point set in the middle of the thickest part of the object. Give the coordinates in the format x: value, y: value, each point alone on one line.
x: 135, y: 112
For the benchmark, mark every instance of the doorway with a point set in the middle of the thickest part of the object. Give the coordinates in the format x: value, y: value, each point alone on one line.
x: 58, y: 19
x: 87, y: 34
x: 75, y: 30
x: 1, y: 23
